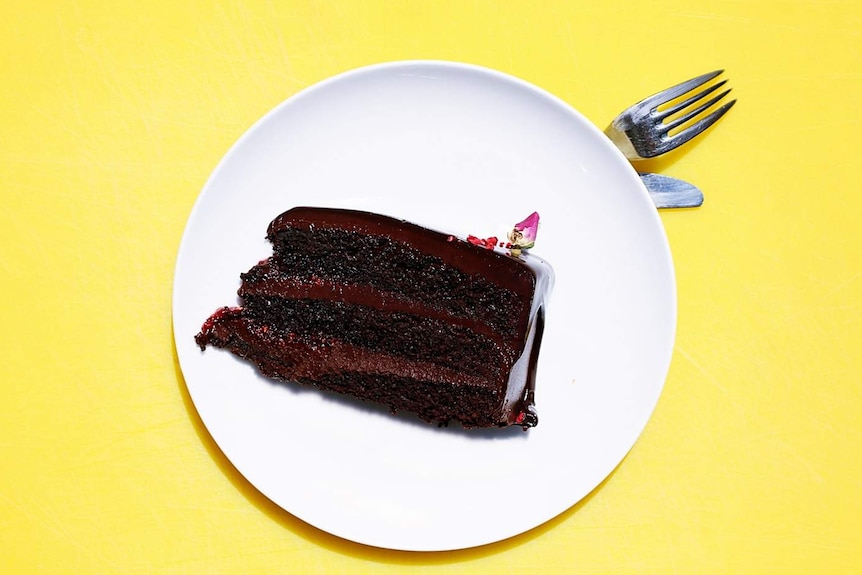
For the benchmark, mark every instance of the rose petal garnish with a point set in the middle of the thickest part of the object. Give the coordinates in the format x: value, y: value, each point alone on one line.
x: 524, y: 234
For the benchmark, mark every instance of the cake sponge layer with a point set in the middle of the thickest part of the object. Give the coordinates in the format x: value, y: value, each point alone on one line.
x: 435, y: 394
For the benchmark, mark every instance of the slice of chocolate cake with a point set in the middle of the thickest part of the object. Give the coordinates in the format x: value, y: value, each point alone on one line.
x: 391, y: 312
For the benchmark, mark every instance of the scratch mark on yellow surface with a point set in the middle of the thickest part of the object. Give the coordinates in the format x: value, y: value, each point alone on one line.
x: 842, y: 285
x: 117, y: 445
x: 55, y: 122
x: 281, y: 45
x: 73, y: 91
x: 709, y: 378
x: 47, y: 519
x: 726, y: 18
x: 566, y: 36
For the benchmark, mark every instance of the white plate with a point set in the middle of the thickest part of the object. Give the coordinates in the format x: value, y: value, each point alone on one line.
x: 466, y: 150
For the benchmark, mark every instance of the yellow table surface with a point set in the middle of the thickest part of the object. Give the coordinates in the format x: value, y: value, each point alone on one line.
x: 113, y: 115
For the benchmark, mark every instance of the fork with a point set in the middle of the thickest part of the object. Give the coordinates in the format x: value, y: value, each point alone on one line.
x: 642, y: 131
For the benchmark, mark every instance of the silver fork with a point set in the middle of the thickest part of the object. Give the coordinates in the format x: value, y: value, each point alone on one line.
x: 642, y: 130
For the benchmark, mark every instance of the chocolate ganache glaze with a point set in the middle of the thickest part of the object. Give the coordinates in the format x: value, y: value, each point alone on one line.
x: 389, y: 311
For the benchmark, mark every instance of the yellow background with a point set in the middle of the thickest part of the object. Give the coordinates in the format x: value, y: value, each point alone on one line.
x: 112, y: 116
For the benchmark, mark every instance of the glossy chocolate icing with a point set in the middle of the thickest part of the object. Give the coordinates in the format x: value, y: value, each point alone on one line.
x: 527, y: 277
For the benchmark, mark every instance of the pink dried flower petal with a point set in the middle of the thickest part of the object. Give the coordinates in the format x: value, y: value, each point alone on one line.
x: 528, y: 230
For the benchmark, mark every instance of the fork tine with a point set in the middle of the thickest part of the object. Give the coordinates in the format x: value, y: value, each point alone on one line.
x: 701, y: 125
x: 669, y: 94
x: 688, y: 102
x: 670, y: 125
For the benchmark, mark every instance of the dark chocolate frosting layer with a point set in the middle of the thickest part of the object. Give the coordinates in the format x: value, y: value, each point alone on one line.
x: 498, y: 268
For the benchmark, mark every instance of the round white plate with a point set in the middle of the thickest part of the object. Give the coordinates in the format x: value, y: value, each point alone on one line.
x: 465, y: 150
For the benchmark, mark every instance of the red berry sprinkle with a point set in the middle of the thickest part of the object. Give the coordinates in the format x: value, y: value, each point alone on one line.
x: 488, y: 243
x: 521, y: 417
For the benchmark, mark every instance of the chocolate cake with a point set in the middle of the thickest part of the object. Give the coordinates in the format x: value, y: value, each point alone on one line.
x: 387, y: 311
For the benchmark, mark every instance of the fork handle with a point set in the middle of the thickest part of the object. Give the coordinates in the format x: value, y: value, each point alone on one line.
x: 668, y: 192
x: 622, y: 142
